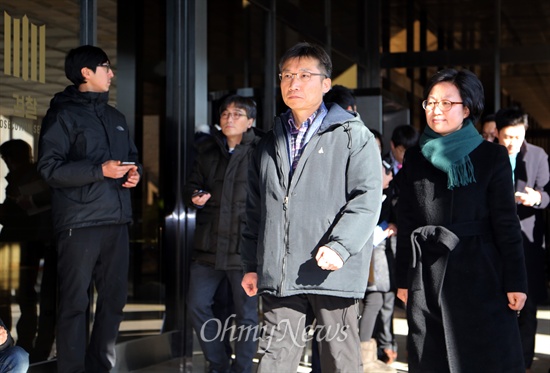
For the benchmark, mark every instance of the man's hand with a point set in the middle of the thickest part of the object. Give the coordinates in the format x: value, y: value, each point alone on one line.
x: 516, y: 300
x: 328, y: 259
x: 250, y: 283
x: 3, y: 335
x: 403, y: 295
x: 201, y: 199
x: 391, y: 230
x: 132, y: 179
x: 115, y: 170
x: 530, y: 198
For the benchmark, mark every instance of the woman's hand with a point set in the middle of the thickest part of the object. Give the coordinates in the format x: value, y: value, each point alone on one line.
x: 516, y: 301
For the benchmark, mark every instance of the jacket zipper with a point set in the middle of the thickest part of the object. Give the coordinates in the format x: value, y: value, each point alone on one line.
x: 286, y: 250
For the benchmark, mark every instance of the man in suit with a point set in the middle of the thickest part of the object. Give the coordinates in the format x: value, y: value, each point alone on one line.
x: 531, y: 176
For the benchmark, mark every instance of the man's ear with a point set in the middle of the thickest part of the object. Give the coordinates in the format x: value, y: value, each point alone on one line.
x: 327, y: 85
x: 86, y: 72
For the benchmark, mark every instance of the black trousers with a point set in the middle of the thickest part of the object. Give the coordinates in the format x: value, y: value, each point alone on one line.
x: 527, y: 321
x: 98, y: 254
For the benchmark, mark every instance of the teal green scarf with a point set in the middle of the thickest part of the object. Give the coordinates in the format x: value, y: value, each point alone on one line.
x: 450, y: 153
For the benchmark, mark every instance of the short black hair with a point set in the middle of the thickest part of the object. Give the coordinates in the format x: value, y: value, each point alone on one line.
x: 404, y: 135
x: 469, y: 87
x: 17, y: 150
x: 512, y: 116
x: 488, y: 118
x: 84, y: 56
x: 308, y: 50
x: 378, y: 135
x: 245, y: 103
x: 340, y: 95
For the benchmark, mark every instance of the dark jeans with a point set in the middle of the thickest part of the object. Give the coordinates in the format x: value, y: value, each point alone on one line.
x: 212, y: 332
x: 98, y: 254
x: 14, y: 360
x: 285, y: 333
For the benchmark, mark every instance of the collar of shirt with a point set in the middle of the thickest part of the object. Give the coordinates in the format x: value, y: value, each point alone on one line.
x: 297, y: 138
x: 396, y: 166
x: 309, y: 127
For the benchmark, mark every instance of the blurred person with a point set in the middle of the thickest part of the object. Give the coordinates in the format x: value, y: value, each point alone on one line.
x: 313, y: 202
x: 217, y: 189
x: 379, y: 281
x: 460, y: 262
x: 88, y: 158
x: 530, y: 177
x: 342, y: 96
x: 379, y: 284
x: 403, y: 137
x: 489, y: 128
x: 25, y: 216
x: 13, y: 359
x: 379, y: 140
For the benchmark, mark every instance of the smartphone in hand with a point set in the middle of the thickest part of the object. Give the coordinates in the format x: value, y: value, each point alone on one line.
x: 199, y: 193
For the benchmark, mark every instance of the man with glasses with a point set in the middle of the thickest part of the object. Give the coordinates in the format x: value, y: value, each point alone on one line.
x: 217, y: 189
x: 88, y: 158
x: 314, y: 195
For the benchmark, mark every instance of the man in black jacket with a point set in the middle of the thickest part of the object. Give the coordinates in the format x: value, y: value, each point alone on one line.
x: 89, y: 160
x: 217, y: 188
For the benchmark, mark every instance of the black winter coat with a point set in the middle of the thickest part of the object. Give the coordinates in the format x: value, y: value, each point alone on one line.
x: 220, y: 221
x: 458, y: 314
x: 79, y: 132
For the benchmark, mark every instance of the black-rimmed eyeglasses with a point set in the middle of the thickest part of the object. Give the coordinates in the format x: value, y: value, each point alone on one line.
x: 106, y: 66
x: 236, y: 115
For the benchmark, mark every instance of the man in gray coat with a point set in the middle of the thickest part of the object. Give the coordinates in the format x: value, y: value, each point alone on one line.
x: 314, y: 199
x: 531, y: 177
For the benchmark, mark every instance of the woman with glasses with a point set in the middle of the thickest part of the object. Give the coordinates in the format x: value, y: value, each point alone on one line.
x: 460, y: 264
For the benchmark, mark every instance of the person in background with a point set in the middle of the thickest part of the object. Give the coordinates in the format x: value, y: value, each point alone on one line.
x: 530, y: 177
x: 379, y: 282
x: 314, y: 196
x: 82, y: 146
x: 342, y: 96
x: 217, y: 189
x: 25, y: 216
x: 379, y: 279
x: 379, y: 140
x: 460, y: 262
x: 489, y: 128
x: 403, y: 137
x: 13, y: 359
